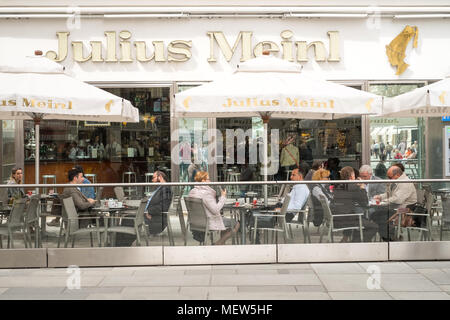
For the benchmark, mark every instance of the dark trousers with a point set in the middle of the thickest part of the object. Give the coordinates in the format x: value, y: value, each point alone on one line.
x: 380, y: 216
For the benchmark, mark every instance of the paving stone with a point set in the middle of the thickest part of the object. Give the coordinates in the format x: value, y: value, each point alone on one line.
x: 223, y: 271
x: 160, y: 272
x: 300, y: 271
x: 158, y: 280
x: 257, y: 271
x: 310, y: 289
x: 54, y: 281
x: 337, y: 268
x: 429, y: 264
x: 365, y: 295
x: 266, y: 289
x: 412, y: 295
x: 104, y: 296
x: 144, y: 292
x: 271, y: 296
x: 390, y: 267
x: 345, y: 282
x: 197, y: 272
x: 34, y: 291
x: 407, y: 282
x: 261, y: 280
x: 93, y: 290
x: 436, y: 275
x: 3, y: 290
x: 445, y: 288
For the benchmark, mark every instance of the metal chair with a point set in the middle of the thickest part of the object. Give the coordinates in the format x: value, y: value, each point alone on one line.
x: 198, y: 220
x: 174, y: 208
x: 328, y: 221
x: 120, y: 194
x: 138, y: 224
x: 302, y: 219
x: 71, y: 221
x: 15, y: 223
x: 279, y: 224
x: 32, y: 221
x: 428, y: 201
x: 445, y: 218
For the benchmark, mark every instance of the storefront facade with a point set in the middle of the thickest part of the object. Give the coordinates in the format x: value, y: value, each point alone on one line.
x: 148, y: 56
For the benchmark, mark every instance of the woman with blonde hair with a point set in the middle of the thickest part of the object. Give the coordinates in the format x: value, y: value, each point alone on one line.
x: 317, y: 191
x: 212, y: 208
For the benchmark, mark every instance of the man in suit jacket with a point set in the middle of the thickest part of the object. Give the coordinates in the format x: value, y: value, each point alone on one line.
x: 155, y: 212
x: 366, y: 173
x: 82, y: 203
x: 158, y: 203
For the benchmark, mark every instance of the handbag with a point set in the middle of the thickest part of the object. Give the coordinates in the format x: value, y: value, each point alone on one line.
x: 406, y: 220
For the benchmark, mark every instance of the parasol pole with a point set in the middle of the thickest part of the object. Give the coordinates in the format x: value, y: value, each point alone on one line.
x: 37, y: 122
x: 265, y: 118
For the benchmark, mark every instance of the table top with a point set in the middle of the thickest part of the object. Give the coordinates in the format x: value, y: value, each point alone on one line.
x: 107, y: 209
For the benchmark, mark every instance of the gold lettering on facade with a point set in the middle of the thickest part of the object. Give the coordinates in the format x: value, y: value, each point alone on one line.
x: 141, y: 52
x: 125, y: 46
x: 245, y: 37
x: 265, y: 45
x: 334, y: 55
x: 181, y: 49
x: 111, y: 55
x: 62, y: 47
x: 303, y: 47
x: 96, y: 51
x: 77, y: 47
x: 159, y: 51
x: 287, y: 45
x: 395, y: 51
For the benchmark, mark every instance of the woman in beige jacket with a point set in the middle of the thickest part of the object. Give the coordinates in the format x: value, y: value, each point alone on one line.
x: 212, y: 208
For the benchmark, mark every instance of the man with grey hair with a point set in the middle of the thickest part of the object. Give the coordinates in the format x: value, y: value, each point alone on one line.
x: 366, y: 173
x: 398, y: 195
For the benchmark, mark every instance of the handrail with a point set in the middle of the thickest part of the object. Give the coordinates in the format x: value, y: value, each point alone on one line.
x: 221, y: 183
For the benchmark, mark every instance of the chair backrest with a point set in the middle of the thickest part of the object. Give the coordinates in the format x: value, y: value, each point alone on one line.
x: 32, y: 210
x: 198, y: 220
x: 4, y: 195
x: 325, y: 207
x: 140, y: 213
x: 120, y: 194
x: 71, y: 213
x: 445, y: 209
x: 428, y: 201
x: 17, y: 212
x: 285, y: 205
x: 99, y: 194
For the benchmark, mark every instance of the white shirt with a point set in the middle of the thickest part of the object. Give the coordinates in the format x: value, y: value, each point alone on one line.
x: 299, y: 195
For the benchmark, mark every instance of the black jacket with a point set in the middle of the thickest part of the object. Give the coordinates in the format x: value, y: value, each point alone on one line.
x: 348, y: 200
x: 159, y: 203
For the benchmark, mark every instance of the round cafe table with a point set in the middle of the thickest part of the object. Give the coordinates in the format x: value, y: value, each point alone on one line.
x: 241, y: 209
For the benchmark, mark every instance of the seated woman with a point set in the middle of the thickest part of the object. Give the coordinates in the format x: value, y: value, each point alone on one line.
x: 317, y: 191
x: 212, y: 208
x: 16, y: 178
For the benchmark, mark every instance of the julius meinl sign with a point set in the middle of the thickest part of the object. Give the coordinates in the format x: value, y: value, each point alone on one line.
x: 180, y: 50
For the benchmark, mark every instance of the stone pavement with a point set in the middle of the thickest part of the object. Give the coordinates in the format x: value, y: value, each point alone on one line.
x: 397, y: 280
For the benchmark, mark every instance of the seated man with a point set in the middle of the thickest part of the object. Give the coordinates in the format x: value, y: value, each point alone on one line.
x: 299, y: 193
x: 298, y: 197
x: 155, y: 211
x: 82, y: 203
x: 399, y: 195
x: 372, y: 189
x: 351, y: 199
